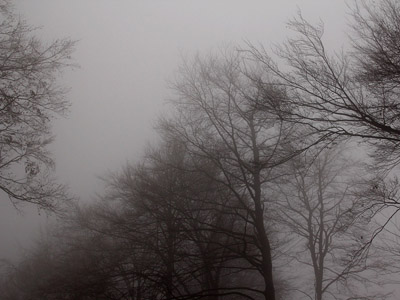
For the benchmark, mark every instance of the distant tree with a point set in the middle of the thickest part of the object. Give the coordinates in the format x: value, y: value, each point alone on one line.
x: 74, y: 266
x: 326, y: 219
x: 29, y: 98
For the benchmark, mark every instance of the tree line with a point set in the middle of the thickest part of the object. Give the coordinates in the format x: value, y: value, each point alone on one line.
x: 256, y: 189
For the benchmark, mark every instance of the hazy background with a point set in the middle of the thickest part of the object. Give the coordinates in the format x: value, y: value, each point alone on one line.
x: 127, y: 51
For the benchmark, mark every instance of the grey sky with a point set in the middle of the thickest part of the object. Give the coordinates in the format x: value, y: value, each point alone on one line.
x: 128, y: 49
x: 126, y: 52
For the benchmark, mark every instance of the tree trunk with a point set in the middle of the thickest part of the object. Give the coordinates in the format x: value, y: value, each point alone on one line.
x: 269, y: 292
x: 265, y: 247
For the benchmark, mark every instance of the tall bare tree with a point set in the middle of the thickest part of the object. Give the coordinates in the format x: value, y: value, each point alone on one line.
x: 323, y: 213
x: 221, y: 120
x: 30, y: 98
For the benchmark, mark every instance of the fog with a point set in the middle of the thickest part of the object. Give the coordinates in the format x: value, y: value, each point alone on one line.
x: 127, y: 51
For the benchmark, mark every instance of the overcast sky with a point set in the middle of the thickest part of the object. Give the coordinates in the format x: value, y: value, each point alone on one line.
x: 126, y: 51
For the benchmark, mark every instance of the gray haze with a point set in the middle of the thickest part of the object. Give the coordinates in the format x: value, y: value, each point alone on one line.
x: 126, y: 52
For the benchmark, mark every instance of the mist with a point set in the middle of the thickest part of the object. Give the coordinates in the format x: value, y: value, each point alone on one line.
x: 126, y: 52
x: 126, y: 55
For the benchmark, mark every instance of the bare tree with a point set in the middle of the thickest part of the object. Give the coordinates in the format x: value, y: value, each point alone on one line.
x: 350, y: 94
x: 321, y: 210
x: 346, y: 94
x: 30, y: 98
x: 179, y: 222
x: 221, y: 121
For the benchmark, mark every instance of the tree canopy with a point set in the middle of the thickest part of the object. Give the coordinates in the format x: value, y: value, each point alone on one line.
x: 253, y: 176
x: 30, y: 98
